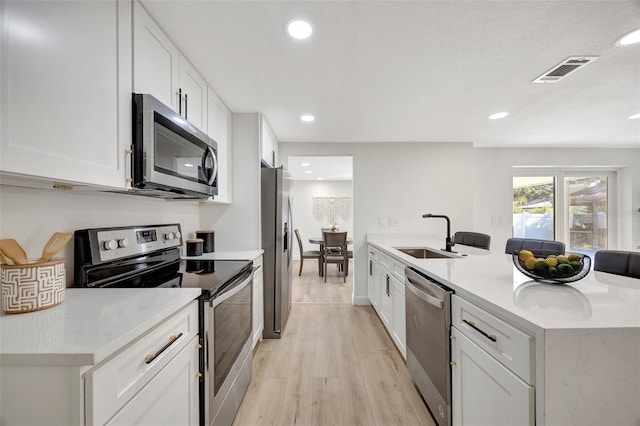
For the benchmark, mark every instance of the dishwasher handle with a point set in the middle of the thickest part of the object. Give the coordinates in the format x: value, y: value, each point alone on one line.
x: 438, y: 303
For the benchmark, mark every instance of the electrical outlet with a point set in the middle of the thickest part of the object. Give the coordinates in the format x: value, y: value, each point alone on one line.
x: 382, y: 222
x: 393, y: 221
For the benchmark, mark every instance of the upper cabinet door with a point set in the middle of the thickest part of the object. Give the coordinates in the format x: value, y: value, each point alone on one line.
x: 194, y: 95
x: 219, y: 128
x: 66, y: 90
x: 155, y: 60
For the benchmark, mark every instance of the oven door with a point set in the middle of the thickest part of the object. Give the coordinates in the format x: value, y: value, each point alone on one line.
x: 227, y: 350
x: 169, y: 152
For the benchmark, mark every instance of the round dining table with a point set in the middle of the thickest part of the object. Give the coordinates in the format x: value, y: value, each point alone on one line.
x: 320, y: 241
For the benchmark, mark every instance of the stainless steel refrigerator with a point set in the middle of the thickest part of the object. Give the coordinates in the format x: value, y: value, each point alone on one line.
x: 277, y: 242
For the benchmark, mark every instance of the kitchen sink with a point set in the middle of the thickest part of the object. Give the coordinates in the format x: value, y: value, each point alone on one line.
x: 425, y: 253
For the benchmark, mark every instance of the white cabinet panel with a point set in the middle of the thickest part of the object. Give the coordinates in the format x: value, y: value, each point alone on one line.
x: 155, y: 60
x: 484, y: 392
x: 64, y: 117
x: 373, y: 286
x: 386, y: 300
x: 194, y: 92
x: 399, y: 316
x: 219, y: 129
x: 258, y: 303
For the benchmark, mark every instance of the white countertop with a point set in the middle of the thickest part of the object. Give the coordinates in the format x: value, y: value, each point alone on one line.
x: 88, y: 326
x: 490, y: 279
x: 227, y: 255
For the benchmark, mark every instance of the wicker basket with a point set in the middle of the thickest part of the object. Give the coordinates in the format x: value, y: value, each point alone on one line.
x: 32, y: 287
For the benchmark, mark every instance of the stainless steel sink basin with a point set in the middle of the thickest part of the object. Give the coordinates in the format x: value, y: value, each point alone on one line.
x: 425, y: 253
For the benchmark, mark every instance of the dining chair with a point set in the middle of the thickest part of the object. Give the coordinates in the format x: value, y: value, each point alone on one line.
x: 309, y: 254
x: 335, y: 251
x: 626, y: 263
x: 539, y: 247
x: 473, y: 239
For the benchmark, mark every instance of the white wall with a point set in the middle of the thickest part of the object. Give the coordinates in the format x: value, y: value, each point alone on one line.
x: 471, y: 185
x: 30, y: 216
x: 401, y: 181
x: 302, y: 193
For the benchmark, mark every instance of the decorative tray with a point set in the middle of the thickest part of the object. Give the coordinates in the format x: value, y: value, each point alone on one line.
x: 552, y: 269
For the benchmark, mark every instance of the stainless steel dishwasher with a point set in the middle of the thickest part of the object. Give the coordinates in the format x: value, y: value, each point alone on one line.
x: 428, y: 348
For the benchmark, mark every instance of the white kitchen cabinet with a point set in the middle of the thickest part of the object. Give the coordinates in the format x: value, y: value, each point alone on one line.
x: 484, y: 392
x: 268, y: 144
x: 219, y: 129
x: 155, y: 59
x: 171, y: 398
x: 258, y: 301
x: 399, y: 333
x: 159, y: 69
x: 194, y: 90
x: 65, y: 118
x: 492, y: 368
x: 373, y: 279
x: 386, y: 301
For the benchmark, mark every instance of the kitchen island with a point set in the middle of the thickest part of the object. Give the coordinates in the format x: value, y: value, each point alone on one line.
x: 585, y: 336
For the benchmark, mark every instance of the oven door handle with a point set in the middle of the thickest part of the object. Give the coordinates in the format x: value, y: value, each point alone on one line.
x: 424, y: 296
x: 233, y: 291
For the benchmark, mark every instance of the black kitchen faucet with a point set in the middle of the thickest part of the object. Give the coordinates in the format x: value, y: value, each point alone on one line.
x: 448, y: 242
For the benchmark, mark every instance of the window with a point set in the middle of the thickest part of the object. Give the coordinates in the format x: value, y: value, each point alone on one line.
x: 567, y: 206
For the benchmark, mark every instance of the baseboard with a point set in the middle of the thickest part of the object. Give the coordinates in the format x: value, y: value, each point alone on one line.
x: 360, y: 300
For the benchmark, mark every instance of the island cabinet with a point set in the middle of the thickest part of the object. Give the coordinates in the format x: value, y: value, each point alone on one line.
x: 492, y: 369
x: 65, y: 119
x: 386, y: 294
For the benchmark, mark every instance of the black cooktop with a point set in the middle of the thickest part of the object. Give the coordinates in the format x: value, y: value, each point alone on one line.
x: 212, y: 275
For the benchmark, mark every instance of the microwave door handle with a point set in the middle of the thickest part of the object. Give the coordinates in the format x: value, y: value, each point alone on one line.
x: 214, y: 173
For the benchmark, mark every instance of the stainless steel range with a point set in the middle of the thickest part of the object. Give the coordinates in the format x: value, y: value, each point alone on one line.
x: 149, y: 256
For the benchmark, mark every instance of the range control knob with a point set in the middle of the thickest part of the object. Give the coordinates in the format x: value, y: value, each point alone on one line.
x: 110, y: 245
x: 178, y: 235
x: 123, y: 242
x: 169, y: 236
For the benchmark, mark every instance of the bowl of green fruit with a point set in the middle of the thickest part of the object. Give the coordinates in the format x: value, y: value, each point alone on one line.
x: 552, y: 269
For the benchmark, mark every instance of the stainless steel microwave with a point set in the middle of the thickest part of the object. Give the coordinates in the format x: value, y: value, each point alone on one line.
x: 171, y: 157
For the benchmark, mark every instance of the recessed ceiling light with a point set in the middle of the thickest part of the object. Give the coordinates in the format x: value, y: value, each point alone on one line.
x: 498, y: 115
x: 305, y: 164
x: 299, y: 29
x: 634, y: 116
x: 630, y: 38
x: 308, y: 171
x: 307, y: 118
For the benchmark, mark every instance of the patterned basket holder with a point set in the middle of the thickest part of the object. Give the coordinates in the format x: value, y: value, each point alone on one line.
x: 32, y: 287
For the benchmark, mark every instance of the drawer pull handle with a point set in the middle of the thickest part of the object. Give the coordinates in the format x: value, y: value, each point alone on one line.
x: 472, y: 324
x: 148, y: 359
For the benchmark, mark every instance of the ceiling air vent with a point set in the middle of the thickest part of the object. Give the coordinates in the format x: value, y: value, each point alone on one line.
x: 564, y: 68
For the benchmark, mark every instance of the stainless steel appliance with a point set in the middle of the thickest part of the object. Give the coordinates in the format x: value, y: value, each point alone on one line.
x: 428, y: 317
x: 149, y: 256
x: 277, y: 242
x: 171, y: 157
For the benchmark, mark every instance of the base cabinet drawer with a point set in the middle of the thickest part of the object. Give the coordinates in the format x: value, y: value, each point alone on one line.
x: 112, y: 385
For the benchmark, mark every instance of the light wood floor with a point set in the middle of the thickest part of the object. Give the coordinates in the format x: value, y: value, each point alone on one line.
x: 311, y: 288
x: 334, y: 365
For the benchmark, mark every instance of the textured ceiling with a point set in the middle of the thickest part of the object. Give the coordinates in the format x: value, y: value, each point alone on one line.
x: 419, y: 71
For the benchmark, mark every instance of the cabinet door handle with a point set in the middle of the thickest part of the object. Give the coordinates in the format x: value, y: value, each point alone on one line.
x: 387, y: 284
x: 172, y: 339
x: 371, y: 268
x: 179, y: 101
x: 186, y: 104
x: 472, y: 324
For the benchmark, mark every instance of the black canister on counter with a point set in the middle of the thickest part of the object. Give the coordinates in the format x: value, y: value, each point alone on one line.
x: 209, y: 238
x: 194, y: 247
